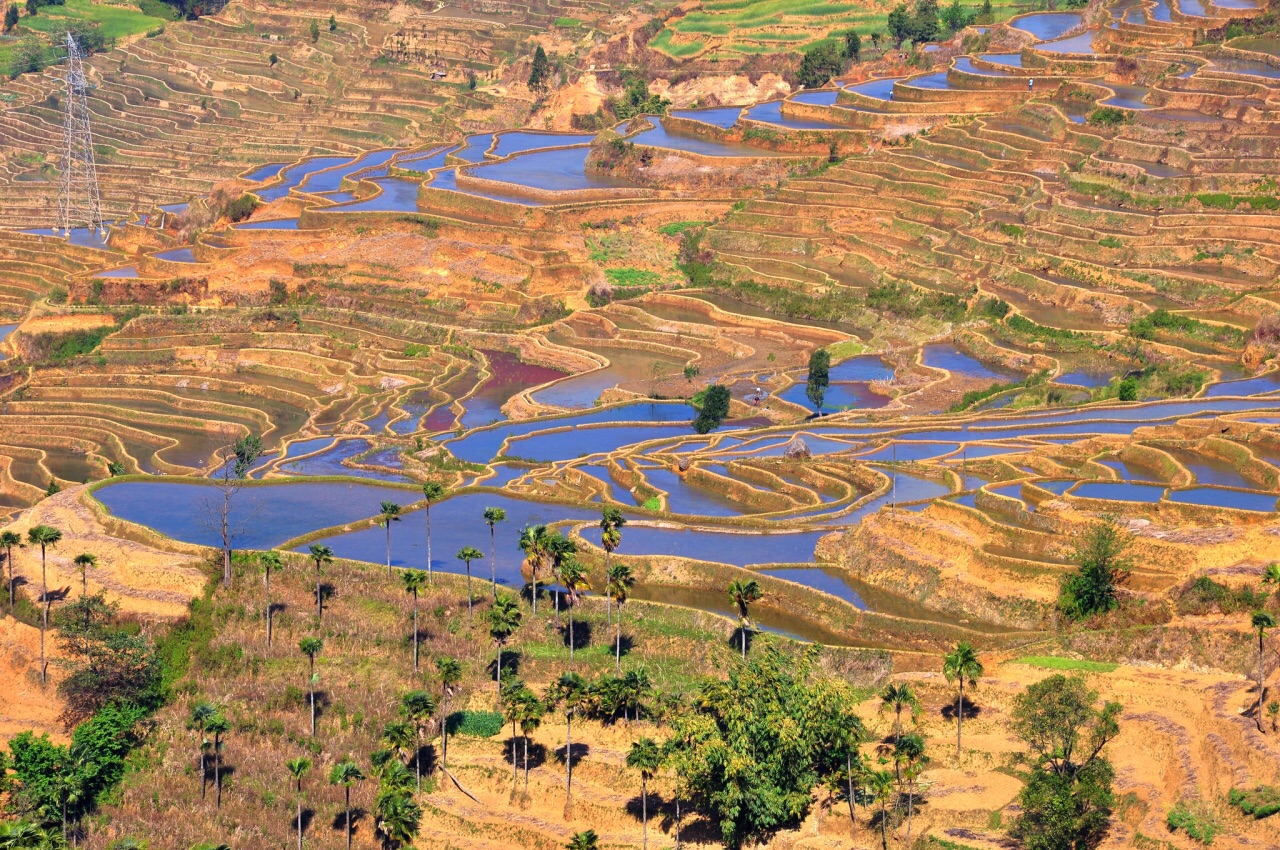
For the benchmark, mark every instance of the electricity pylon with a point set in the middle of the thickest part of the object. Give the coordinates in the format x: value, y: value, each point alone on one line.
x: 79, y: 203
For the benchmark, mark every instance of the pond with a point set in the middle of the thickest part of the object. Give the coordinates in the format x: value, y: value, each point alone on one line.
x: 522, y: 141
x: 1218, y: 498
x: 331, y: 179
x: 558, y: 170
x: 396, y: 195
x: 943, y: 355
x: 658, y: 136
x: 685, y: 498
x: 771, y: 113
x: 720, y: 116
x: 721, y: 547
x: 625, y: 366
x: 508, y: 376
x: 1047, y: 26
x: 1119, y: 491
x: 295, y: 174
x: 5, y: 330
x: 879, y: 89
x: 177, y: 255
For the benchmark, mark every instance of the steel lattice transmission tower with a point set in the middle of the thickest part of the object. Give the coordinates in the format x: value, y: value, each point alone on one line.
x: 78, y: 201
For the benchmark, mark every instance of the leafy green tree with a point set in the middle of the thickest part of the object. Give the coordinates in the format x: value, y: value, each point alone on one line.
x: 618, y: 584
x: 897, y: 697
x: 418, y: 707
x: 1103, y: 567
x: 493, y: 516
x: 272, y: 60
x: 820, y: 63
x: 10, y: 539
x: 298, y: 768
x: 961, y: 665
x: 1261, y: 620
x: 743, y: 593
x: 311, y: 647
x: 853, y: 45
x: 1067, y: 798
x: 611, y: 523
x: 104, y: 661
x: 388, y: 513
x: 924, y: 25
x: 270, y: 561
x: 819, y: 378
x: 432, y: 491
x: 320, y: 555
x: 333, y: 24
x: 900, y: 28
x: 414, y: 580
x: 539, y: 71
x: 467, y: 554
x: 574, y: 576
x: 10, y: 17
x: 746, y: 790
x: 315, y: 31
x: 44, y: 536
x: 645, y: 757
x: 715, y: 408
x: 449, y: 671
x: 561, y: 550
x: 1270, y: 575
x: 504, y: 619
x: 346, y: 773
x: 568, y: 694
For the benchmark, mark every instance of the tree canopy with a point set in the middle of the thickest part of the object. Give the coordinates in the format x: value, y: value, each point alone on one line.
x: 715, y: 408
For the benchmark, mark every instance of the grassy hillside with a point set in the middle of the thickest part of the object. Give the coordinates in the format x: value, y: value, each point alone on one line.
x: 112, y: 22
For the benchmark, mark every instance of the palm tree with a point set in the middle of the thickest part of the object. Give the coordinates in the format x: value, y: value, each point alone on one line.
x: 1261, y: 621
x: 493, y: 516
x: 389, y: 513
x: 909, y: 757
x: 44, y: 536
x: 398, y: 818
x: 611, y: 522
x: 24, y: 835
x: 417, y: 707
x: 321, y: 555
x: 201, y: 714
x: 880, y: 786
x: 561, y: 549
x: 217, y: 726
x: 311, y: 648
x: 959, y: 665
x: 504, y: 619
x: 400, y: 737
x: 897, y: 697
x: 432, y: 491
x: 413, y: 582
x: 9, y: 539
x: 512, y: 697
x: 574, y: 576
x: 450, y: 673
x: 586, y: 840
x: 346, y: 773
x: 84, y: 562
x: 270, y: 560
x: 568, y: 693
x: 297, y: 769
x: 618, y: 583
x: 743, y: 592
x: 467, y: 554
x: 645, y: 757
x: 532, y: 710
x: 534, y: 542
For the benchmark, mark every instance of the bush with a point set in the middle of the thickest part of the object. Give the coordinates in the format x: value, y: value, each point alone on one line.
x: 715, y: 407
x: 1261, y: 802
x: 242, y: 207
x: 478, y: 724
x: 1205, y: 596
x: 1094, y: 587
x: 1195, y: 819
x: 1109, y: 116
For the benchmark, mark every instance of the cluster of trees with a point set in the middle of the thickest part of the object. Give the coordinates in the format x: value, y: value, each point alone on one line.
x: 713, y: 408
x: 927, y: 23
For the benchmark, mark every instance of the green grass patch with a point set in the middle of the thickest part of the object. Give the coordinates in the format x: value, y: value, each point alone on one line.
x: 1195, y: 819
x: 477, y: 724
x: 1054, y: 662
x: 115, y: 21
x: 568, y: 23
x: 628, y: 278
x: 845, y: 350
x: 1261, y: 802
x: 675, y: 228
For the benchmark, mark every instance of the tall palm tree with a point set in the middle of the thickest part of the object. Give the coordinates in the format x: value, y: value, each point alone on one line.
x: 504, y: 619
x: 742, y: 593
x: 493, y: 516
x: 960, y: 665
x: 898, y: 697
x: 512, y: 697
x: 534, y: 543
x: 413, y: 582
x: 1261, y: 621
x: 450, y: 673
x: 574, y: 576
x: 311, y: 647
x: 532, y: 711
x: 645, y: 757
x: 398, y: 818
x: 618, y: 583
x: 389, y: 513
x: 561, y: 549
x: 432, y: 491
x: 270, y: 561
x: 85, y: 562
x: 585, y: 840
x: 467, y: 554
x: 320, y: 555
x: 201, y: 714
x: 880, y: 786
x: 417, y: 707
x: 346, y: 773
x: 298, y: 768
x: 1271, y: 574
x: 217, y: 726
x: 9, y: 539
x: 567, y: 694
x: 44, y: 536
x: 909, y: 757
x: 611, y: 522
x: 399, y: 737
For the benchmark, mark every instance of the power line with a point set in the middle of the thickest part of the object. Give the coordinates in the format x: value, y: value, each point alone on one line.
x: 79, y: 204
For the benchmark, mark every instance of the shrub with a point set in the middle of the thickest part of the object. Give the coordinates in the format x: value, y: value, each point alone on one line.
x: 1204, y: 596
x: 1109, y: 116
x: 1110, y: 242
x: 242, y: 207
x: 1195, y: 819
x: 478, y: 724
x: 1261, y: 802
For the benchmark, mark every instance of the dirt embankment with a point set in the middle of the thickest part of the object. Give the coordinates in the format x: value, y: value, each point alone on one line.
x: 24, y: 704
